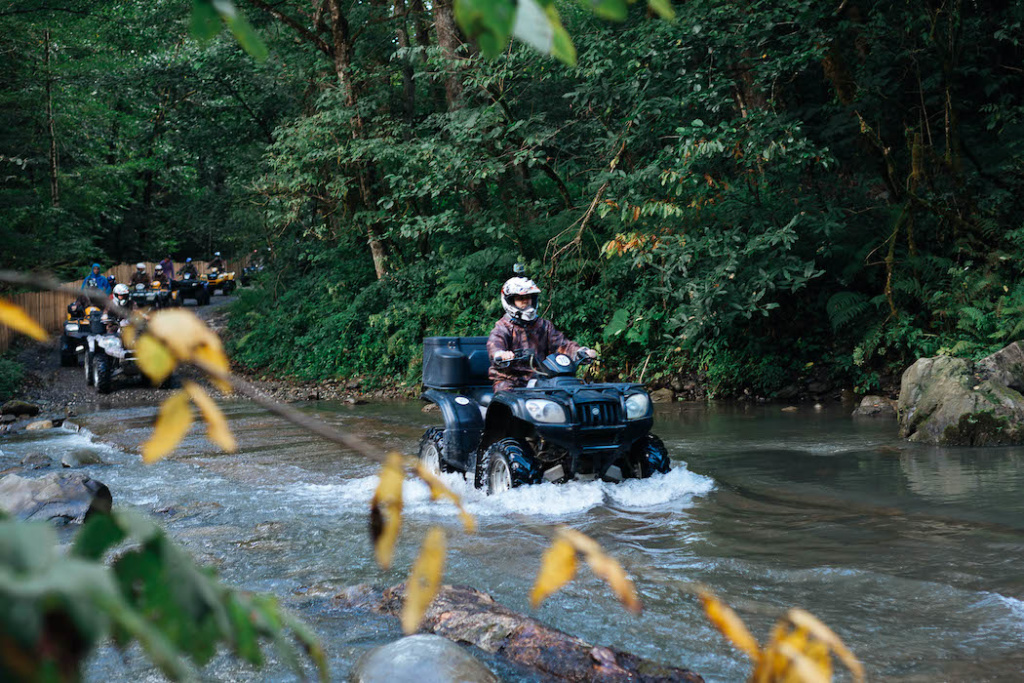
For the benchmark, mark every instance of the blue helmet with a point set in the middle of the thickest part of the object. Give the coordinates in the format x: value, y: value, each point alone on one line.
x: 96, y: 265
x: 188, y: 260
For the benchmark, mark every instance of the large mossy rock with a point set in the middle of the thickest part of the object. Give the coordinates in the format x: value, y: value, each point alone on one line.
x: 422, y: 658
x: 956, y: 402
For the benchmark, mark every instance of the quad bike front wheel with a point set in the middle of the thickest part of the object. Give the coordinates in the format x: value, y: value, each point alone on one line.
x: 506, y: 464
x: 648, y: 456
x: 432, y: 450
x: 102, y: 373
x: 68, y: 357
x: 87, y: 364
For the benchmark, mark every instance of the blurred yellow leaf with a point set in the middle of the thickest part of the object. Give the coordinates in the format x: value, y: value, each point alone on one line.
x: 800, y: 668
x: 604, y: 567
x: 557, y: 568
x: 152, y: 356
x: 171, y: 426
x: 439, y: 491
x: 424, y: 580
x: 805, y: 620
x: 386, y: 510
x: 16, y: 318
x: 730, y: 625
x: 216, y: 425
x: 189, y: 339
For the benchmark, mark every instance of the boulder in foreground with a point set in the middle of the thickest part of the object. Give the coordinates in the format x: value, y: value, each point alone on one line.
x: 421, y: 658
x: 59, y: 496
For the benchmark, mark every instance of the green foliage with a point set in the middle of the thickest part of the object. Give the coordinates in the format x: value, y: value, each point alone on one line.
x: 55, y: 609
x: 10, y: 378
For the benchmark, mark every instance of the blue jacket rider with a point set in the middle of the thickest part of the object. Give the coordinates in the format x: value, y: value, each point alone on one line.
x: 96, y: 280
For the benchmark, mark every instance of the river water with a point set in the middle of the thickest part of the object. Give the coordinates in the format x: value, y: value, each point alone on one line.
x: 912, y: 554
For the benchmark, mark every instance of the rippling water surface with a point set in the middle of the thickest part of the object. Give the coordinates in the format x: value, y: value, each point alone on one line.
x: 912, y: 554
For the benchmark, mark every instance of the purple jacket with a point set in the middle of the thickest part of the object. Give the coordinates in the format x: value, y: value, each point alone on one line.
x: 541, y: 336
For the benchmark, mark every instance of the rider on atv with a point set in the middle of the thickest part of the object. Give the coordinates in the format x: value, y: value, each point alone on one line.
x: 122, y: 297
x: 95, y: 280
x: 519, y: 329
x: 189, y: 267
x: 160, y: 276
x: 140, y: 276
x: 216, y: 263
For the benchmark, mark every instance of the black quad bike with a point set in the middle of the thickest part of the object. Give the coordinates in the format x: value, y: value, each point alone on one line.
x: 555, y: 428
x: 189, y: 286
x: 76, y: 329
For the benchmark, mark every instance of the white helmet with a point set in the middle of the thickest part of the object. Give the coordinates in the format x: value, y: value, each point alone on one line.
x: 217, y: 254
x: 140, y: 266
x: 520, y: 286
x: 121, y: 294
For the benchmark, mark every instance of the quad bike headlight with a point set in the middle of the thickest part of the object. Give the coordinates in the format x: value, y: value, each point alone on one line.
x: 637, y: 406
x: 545, y: 411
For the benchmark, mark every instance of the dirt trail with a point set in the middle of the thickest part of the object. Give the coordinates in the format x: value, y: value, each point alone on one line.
x: 61, y: 391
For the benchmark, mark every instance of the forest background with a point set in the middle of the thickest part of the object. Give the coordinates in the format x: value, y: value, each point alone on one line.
x: 752, y: 196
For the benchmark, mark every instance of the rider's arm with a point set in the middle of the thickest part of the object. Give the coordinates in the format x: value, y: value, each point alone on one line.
x: 499, y: 342
x: 558, y: 342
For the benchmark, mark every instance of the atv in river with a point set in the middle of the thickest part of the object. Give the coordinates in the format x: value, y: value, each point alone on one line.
x: 555, y: 428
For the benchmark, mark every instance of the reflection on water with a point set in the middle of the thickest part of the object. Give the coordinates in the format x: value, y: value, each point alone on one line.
x: 911, y: 553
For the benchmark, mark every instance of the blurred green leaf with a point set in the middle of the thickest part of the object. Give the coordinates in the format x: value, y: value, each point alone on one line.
x: 489, y: 22
x: 663, y: 8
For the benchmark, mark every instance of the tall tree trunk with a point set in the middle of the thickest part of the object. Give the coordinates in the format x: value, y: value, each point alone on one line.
x: 54, y: 186
x: 449, y: 41
x: 343, y: 51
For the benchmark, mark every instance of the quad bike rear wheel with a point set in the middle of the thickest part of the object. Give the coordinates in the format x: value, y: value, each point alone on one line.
x: 507, y: 464
x: 432, y: 451
x: 648, y: 456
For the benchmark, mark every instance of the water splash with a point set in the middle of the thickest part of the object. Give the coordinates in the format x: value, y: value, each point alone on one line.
x: 545, y: 500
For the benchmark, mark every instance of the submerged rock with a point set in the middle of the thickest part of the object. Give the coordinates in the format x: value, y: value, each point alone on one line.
x: 19, y: 408
x: 420, y: 659
x: 876, y: 406
x: 953, y: 401
x: 37, y: 461
x: 62, y: 496
x: 466, y: 615
x: 80, y: 458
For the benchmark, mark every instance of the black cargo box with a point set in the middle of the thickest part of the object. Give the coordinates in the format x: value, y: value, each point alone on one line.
x: 452, y: 362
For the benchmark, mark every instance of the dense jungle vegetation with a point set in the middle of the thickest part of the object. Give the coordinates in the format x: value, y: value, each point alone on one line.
x: 752, y: 194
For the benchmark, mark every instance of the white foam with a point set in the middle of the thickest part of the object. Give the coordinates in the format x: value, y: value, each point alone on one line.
x: 541, y: 500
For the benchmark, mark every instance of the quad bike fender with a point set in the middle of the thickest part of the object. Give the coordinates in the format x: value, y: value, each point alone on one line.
x: 463, y: 424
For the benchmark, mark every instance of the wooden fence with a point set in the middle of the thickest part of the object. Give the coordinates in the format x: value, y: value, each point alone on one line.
x: 50, y: 309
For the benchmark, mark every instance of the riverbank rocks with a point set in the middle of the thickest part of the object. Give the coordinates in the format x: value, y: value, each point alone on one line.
x: 38, y: 425
x: 665, y: 395
x: 956, y: 402
x: 876, y: 406
x: 19, y: 409
x: 60, y: 496
x: 420, y: 659
x: 466, y: 615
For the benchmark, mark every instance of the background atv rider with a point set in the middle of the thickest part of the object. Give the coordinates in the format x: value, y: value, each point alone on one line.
x: 520, y: 328
x: 189, y: 267
x: 140, y: 276
x: 160, y: 276
x: 96, y: 280
x: 122, y: 298
x: 217, y: 262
